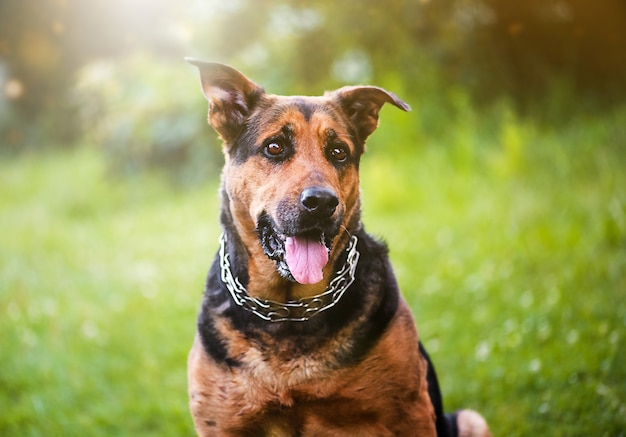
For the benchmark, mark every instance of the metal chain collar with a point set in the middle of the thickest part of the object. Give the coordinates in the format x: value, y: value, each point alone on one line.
x: 299, y: 310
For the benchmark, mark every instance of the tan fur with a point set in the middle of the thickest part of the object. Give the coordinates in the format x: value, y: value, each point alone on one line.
x: 257, y: 185
x: 255, y: 398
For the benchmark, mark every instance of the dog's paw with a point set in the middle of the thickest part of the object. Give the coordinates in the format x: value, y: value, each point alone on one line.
x: 471, y: 424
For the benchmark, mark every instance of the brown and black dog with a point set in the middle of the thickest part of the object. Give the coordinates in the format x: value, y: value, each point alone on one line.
x: 302, y: 330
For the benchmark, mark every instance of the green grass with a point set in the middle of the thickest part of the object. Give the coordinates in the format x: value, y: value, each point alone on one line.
x: 508, y: 239
x: 101, y: 282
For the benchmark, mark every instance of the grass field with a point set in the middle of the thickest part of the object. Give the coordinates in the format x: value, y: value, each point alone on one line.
x: 508, y: 238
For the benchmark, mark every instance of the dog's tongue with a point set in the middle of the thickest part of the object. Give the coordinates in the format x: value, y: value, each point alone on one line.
x: 306, y: 257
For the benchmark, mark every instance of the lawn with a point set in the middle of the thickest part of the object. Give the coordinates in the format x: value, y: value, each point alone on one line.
x: 508, y: 238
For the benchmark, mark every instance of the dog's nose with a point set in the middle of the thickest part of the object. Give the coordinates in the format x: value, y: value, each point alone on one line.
x: 319, y: 201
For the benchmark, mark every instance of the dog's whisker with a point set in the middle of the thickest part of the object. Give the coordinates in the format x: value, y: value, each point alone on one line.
x: 346, y: 230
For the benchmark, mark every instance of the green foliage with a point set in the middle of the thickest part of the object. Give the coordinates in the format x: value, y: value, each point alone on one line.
x: 508, y: 238
x: 147, y: 114
x: 490, y: 47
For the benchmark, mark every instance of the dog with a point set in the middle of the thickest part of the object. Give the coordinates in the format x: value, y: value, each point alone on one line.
x: 302, y: 329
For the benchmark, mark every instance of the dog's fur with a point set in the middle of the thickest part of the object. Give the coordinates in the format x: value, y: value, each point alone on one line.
x: 354, y: 369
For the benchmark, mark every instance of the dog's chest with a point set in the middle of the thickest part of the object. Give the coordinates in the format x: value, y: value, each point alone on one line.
x: 306, y: 400
x: 281, y: 375
x: 304, y: 397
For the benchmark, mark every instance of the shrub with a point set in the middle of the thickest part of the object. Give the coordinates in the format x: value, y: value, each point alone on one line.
x: 146, y: 113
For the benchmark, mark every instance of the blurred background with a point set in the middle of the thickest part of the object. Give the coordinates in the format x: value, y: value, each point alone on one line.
x: 502, y: 196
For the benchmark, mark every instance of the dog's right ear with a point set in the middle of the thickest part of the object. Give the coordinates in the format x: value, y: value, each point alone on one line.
x: 231, y: 97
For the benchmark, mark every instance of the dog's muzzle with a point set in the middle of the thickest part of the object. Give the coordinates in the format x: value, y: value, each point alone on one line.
x: 299, y: 238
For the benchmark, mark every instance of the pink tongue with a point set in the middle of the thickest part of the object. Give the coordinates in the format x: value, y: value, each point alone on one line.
x: 306, y: 257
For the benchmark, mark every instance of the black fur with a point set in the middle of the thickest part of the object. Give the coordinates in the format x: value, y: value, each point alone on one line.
x: 306, y: 108
x: 214, y: 296
x: 373, y: 292
x: 245, y: 143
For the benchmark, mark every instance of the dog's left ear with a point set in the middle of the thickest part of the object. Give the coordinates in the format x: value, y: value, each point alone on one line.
x: 231, y: 96
x: 362, y: 104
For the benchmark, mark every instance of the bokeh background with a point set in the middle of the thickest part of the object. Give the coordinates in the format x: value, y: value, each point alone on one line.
x: 502, y: 196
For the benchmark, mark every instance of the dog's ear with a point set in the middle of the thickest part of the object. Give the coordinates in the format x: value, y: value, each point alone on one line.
x: 231, y: 96
x: 362, y: 104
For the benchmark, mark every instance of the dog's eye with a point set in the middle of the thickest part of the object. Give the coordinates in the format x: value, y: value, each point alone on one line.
x: 339, y: 153
x: 274, y: 149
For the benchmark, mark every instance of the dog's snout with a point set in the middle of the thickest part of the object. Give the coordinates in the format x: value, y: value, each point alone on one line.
x: 319, y: 201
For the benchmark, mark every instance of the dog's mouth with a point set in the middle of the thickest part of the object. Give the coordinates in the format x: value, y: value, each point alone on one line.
x: 299, y: 256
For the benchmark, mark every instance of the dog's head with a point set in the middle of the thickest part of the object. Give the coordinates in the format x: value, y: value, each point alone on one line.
x: 291, y: 179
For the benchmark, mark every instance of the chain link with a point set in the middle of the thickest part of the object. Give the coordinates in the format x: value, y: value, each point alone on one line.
x: 296, y: 310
